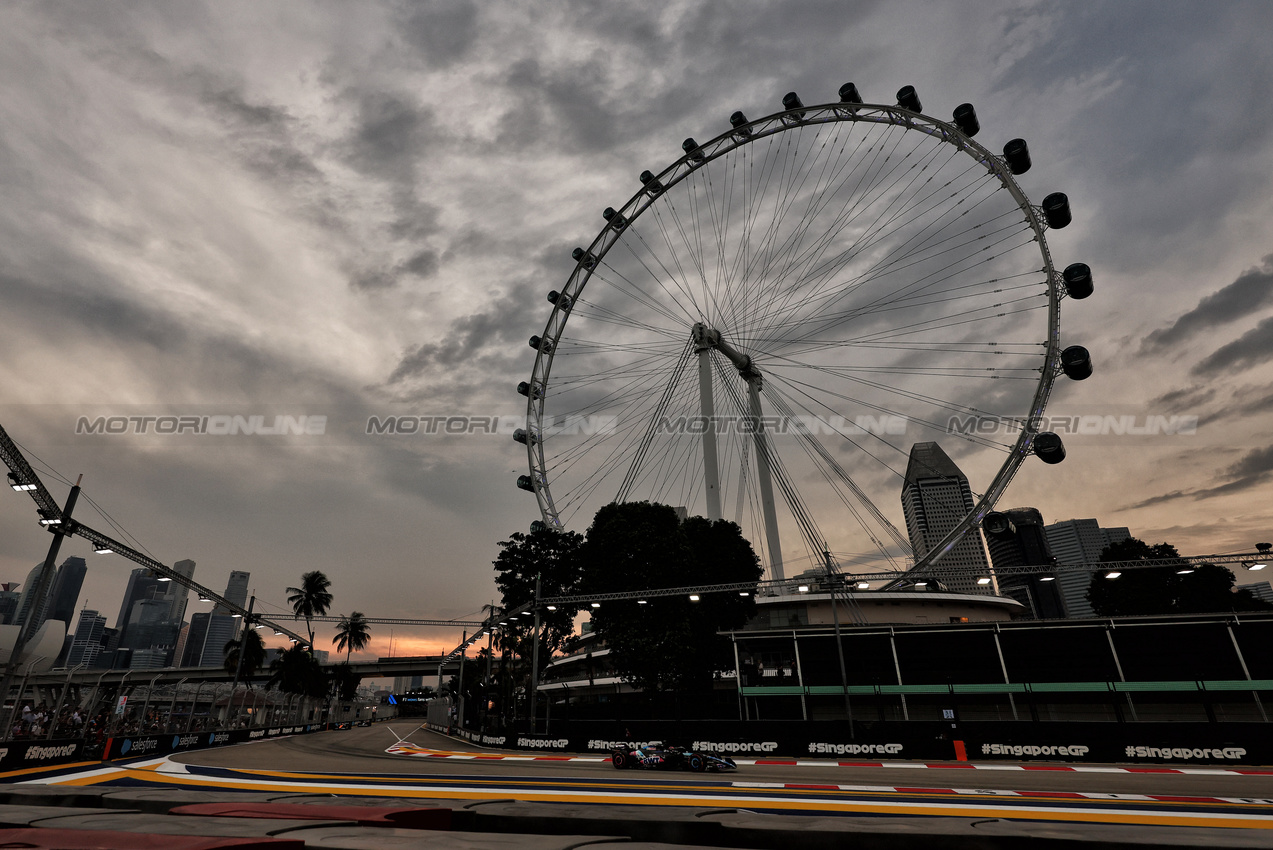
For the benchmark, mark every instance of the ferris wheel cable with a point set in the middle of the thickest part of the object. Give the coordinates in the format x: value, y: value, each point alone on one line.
x: 950, y: 270
x: 812, y: 302
x: 832, y: 467
x: 935, y: 426
x: 857, y: 204
x: 830, y: 470
x: 606, y: 315
x: 679, y: 277
x: 795, y: 504
x: 881, y: 268
x: 636, y: 292
x: 649, y: 434
x: 633, y: 231
x: 805, y: 268
x: 927, y: 326
x: 929, y: 299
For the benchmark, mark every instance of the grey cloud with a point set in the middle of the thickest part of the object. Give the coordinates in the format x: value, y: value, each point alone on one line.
x: 1184, y: 397
x: 1252, y: 348
x: 391, y: 134
x: 1252, y: 290
x: 1252, y: 469
x: 444, y: 32
x: 480, y: 337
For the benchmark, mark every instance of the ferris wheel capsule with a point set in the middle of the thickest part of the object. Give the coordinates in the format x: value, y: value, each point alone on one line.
x: 849, y: 94
x: 966, y: 119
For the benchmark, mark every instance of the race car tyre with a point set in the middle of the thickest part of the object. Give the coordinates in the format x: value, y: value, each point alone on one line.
x: 619, y: 759
x: 698, y: 764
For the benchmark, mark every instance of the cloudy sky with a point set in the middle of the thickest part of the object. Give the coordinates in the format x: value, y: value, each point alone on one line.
x: 344, y: 210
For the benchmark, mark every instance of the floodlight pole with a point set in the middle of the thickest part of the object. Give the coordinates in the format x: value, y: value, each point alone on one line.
x: 839, y: 644
x: 534, y: 664
x: 238, y: 668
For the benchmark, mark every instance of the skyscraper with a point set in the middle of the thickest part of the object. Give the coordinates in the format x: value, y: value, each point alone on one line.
x: 236, y: 590
x: 141, y: 585
x: 177, y: 592
x: 1079, y: 541
x: 9, y: 599
x: 1015, y: 538
x: 87, y: 642
x: 66, y: 591
x: 935, y: 496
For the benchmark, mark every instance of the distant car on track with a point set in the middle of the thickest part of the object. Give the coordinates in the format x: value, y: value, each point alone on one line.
x: 659, y: 756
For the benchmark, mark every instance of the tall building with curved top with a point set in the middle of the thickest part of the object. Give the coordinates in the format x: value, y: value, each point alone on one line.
x: 935, y: 497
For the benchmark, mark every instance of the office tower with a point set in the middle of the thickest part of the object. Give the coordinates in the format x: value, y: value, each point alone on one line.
x: 86, y: 644
x: 220, y: 631
x: 1260, y: 590
x: 192, y: 651
x: 935, y: 497
x: 66, y: 591
x: 9, y: 600
x: 180, y: 649
x: 176, y: 592
x: 1015, y: 538
x: 1079, y: 541
x: 236, y: 590
x: 141, y: 585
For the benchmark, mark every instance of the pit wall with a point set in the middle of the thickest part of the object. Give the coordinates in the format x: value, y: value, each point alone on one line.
x: 1231, y: 744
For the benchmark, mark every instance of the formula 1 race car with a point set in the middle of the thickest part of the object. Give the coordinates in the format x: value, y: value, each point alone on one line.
x: 659, y: 756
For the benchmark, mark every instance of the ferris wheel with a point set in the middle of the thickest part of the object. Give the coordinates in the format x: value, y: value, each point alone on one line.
x: 768, y: 325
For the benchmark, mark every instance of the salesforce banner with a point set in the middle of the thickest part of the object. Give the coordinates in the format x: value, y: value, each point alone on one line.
x: 164, y: 744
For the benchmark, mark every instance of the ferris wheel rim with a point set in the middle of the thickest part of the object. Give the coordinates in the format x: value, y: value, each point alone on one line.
x: 746, y: 134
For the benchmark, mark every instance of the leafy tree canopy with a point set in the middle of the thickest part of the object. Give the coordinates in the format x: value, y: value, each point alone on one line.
x: 254, y: 654
x: 344, y: 681
x: 296, y: 671
x: 1164, y: 590
x: 670, y: 643
x: 553, y: 558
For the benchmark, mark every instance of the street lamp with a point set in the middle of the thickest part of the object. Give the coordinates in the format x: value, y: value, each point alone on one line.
x: 1113, y: 574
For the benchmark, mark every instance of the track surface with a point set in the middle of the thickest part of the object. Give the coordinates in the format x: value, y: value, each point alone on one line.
x: 355, y: 762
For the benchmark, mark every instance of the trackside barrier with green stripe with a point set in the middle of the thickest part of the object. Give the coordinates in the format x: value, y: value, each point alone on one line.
x: 1014, y: 688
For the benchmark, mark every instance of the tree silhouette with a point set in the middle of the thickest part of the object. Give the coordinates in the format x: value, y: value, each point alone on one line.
x: 253, y: 654
x: 311, y: 599
x: 353, y: 634
x: 671, y: 643
x: 296, y: 671
x: 1174, y: 588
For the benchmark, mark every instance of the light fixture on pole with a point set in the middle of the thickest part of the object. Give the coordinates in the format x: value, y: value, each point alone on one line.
x: 20, y: 485
x: 1113, y: 574
x: 102, y: 549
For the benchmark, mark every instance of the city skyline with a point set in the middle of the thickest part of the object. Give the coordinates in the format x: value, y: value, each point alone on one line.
x: 224, y: 210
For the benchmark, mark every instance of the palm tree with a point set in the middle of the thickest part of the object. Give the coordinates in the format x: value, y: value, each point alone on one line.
x: 311, y: 599
x: 253, y: 654
x: 353, y: 635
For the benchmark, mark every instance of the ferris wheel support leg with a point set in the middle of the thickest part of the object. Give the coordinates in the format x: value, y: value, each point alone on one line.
x: 765, y: 480
x: 711, y: 472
